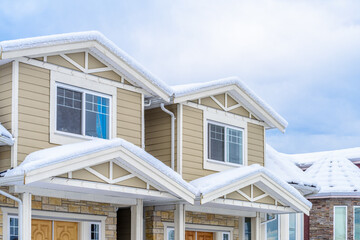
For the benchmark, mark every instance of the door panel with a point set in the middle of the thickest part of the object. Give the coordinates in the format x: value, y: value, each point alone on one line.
x: 41, y: 229
x: 190, y: 235
x: 65, y: 230
x: 205, y: 236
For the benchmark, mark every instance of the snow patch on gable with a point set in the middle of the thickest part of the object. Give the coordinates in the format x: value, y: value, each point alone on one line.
x: 5, y: 136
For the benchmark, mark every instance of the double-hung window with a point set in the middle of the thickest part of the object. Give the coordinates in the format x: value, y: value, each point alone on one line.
x: 83, y: 112
x: 95, y: 231
x: 225, y: 143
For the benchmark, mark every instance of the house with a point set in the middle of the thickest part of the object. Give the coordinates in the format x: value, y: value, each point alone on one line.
x: 336, y: 207
x: 94, y: 146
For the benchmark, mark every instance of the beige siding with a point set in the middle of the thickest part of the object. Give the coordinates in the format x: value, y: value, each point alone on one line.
x: 158, y: 133
x: 5, y: 111
x: 129, y: 116
x: 34, y: 110
x: 255, y: 144
x: 193, y: 144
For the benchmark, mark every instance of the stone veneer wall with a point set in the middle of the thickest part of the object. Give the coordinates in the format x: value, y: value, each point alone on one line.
x: 154, y: 222
x: 68, y: 206
x: 322, y: 217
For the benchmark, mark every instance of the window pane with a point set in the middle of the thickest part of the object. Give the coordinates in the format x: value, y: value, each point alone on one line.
x: 292, y: 226
x: 357, y: 223
x: 247, y: 228
x: 97, y: 116
x: 14, y: 229
x: 95, y: 229
x: 216, y: 142
x: 226, y: 236
x: 68, y: 111
x: 234, y: 146
x: 171, y: 234
x: 272, y: 231
x: 340, y: 223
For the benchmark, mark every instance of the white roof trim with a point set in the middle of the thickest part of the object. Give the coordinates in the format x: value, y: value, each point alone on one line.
x: 240, y: 91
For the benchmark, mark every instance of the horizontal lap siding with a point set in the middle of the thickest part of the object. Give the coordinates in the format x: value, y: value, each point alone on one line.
x: 5, y: 111
x: 129, y: 116
x: 158, y: 133
x: 34, y: 110
x: 255, y: 144
x: 193, y: 144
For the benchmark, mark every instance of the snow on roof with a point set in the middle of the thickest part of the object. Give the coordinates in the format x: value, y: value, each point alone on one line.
x: 186, y: 89
x: 50, y: 156
x: 307, y: 159
x: 335, y: 175
x: 57, y: 39
x: 5, y: 136
x: 280, y: 164
x: 218, y: 180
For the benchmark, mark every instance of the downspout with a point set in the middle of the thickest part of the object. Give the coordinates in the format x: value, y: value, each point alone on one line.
x: 20, y: 211
x: 172, y: 135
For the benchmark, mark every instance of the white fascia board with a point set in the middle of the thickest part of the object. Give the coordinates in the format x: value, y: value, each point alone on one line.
x: 13, y: 180
x: 155, y: 176
x: 236, y: 92
x: 219, y: 210
x: 72, y: 195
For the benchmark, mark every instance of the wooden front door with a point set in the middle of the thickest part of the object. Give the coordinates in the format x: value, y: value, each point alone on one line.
x: 205, y: 236
x: 43, y: 230
x: 65, y: 230
x: 191, y: 235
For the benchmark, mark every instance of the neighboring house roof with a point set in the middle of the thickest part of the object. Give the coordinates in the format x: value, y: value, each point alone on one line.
x: 337, y: 176
x: 222, y: 183
x: 18, y: 48
x: 282, y: 166
x: 240, y: 91
x: 5, y: 136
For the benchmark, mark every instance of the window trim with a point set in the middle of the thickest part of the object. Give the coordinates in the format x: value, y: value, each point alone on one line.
x: 226, y: 119
x: 82, y: 84
x: 346, y: 220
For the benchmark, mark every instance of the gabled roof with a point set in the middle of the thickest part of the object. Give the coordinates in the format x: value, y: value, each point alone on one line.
x: 98, y: 43
x: 55, y: 161
x: 239, y: 90
x: 337, y: 177
x: 5, y: 136
x: 222, y: 183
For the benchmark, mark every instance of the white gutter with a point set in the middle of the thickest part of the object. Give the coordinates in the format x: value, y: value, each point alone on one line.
x: 172, y: 135
x: 20, y: 211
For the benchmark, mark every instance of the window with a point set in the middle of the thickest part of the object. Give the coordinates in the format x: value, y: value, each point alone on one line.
x: 95, y: 231
x: 272, y: 229
x: 340, y: 223
x: 225, y: 236
x: 292, y: 226
x: 82, y: 112
x: 225, y: 143
x: 170, y: 234
x: 357, y: 223
x: 247, y: 228
x: 14, y: 228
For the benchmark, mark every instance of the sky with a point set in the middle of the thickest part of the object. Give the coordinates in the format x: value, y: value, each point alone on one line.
x: 301, y: 57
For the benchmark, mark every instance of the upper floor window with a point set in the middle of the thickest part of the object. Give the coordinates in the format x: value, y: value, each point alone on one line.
x: 225, y: 143
x: 82, y: 112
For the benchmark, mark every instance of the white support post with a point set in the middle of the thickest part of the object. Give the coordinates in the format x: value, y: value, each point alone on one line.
x: 137, y: 220
x: 179, y: 222
x: 26, y: 216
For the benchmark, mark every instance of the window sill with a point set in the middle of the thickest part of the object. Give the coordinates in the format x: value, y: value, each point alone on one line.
x: 62, y: 138
x: 219, y: 166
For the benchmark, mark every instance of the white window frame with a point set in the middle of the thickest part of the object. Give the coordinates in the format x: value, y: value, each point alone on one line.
x: 225, y: 233
x: 296, y: 225
x: 96, y: 223
x: 79, y: 84
x: 223, y: 119
x: 354, y: 220
x: 346, y: 221
x: 168, y: 229
x: 243, y: 223
x: 279, y: 226
x: 8, y: 222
